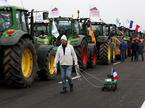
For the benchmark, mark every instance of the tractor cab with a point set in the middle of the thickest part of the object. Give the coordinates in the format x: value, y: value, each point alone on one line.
x: 12, y: 19
x: 63, y: 24
x: 101, y: 31
x: 113, y: 30
x: 68, y: 26
x: 41, y: 28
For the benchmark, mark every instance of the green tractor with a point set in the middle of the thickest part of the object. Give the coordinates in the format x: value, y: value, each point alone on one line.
x: 113, y: 32
x: 21, y: 54
x: 72, y: 29
x: 105, y: 48
x: 127, y: 38
x: 18, y: 55
x: 43, y: 41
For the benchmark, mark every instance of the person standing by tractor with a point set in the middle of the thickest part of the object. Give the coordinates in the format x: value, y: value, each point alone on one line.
x: 140, y: 49
x: 134, y: 47
x: 123, y: 47
x: 66, y: 56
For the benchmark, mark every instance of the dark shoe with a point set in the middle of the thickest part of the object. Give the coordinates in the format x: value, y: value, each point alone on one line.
x: 64, y: 91
x: 71, y: 88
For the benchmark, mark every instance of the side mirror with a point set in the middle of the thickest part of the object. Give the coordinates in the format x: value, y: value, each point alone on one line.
x: 45, y: 15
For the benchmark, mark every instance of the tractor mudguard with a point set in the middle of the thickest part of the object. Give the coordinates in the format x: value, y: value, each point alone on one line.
x: 8, y: 41
x: 81, y: 37
x: 42, y: 52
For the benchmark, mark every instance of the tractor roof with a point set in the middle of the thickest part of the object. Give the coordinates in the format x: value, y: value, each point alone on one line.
x: 14, y: 7
x: 40, y: 23
x: 112, y: 25
x: 98, y: 23
x: 62, y: 18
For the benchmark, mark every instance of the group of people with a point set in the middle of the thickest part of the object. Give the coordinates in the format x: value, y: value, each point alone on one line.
x: 137, y: 49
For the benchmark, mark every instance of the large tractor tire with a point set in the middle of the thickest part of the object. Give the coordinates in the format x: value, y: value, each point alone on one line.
x: 46, y: 58
x: 82, y: 54
x: 20, y: 64
x: 105, y: 53
x: 1, y: 65
x: 92, y: 55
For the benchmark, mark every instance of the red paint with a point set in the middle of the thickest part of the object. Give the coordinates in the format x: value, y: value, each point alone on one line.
x: 84, y: 55
x: 94, y: 57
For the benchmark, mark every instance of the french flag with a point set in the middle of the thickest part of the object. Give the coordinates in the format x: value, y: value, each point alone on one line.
x: 115, y: 74
x: 131, y: 24
x: 137, y: 28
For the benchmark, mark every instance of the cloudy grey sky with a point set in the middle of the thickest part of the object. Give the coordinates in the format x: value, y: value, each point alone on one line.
x: 109, y: 9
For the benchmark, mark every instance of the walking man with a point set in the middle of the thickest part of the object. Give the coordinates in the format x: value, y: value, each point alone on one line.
x: 140, y: 49
x: 66, y: 56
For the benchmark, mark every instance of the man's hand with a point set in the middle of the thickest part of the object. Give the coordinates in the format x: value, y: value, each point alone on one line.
x: 77, y: 66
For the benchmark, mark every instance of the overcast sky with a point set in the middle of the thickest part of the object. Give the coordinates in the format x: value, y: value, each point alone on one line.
x: 109, y: 9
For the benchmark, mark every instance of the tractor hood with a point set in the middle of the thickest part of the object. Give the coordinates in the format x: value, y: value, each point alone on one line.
x: 75, y: 40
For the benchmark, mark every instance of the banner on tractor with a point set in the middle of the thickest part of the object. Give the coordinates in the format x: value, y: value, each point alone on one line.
x: 38, y: 17
x: 54, y: 31
x: 94, y: 12
x: 118, y: 22
x: 93, y: 39
x: 137, y: 28
x: 55, y: 12
x: 131, y: 24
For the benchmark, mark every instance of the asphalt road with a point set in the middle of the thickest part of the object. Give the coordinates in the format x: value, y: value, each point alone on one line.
x: 130, y: 93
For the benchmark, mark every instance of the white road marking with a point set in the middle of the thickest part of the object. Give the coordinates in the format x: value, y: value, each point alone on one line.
x: 116, y: 63
x: 76, y: 77
x: 143, y: 105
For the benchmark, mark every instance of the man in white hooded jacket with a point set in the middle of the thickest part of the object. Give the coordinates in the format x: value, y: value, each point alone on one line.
x: 66, y: 56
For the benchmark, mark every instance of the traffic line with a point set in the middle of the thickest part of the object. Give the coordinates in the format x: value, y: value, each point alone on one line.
x: 116, y: 63
x: 143, y: 105
x: 76, y: 77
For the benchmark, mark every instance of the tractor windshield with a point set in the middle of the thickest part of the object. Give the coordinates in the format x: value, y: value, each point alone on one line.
x: 64, y: 27
x: 41, y: 29
x: 97, y: 29
x: 105, y: 30
x: 126, y: 33
x: 113, y: 30
x: 5, y: 20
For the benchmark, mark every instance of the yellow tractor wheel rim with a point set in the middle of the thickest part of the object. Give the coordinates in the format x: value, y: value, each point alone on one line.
x: 27, y: 63
x: 113, y: 54
x: 51, y: 64
x: 109, y: 55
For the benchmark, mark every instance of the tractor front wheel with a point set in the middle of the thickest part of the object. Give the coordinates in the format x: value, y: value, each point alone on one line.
x: 92, y: 55
x: 46, y: 58
x: 82, y: 54
x: 20, y: 64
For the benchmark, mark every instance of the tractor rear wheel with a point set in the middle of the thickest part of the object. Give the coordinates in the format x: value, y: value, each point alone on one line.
x: 82, y: 54
x: 46, y: 58
x: 105, y: 53
x: 92, y: 55
x: 20, y: 64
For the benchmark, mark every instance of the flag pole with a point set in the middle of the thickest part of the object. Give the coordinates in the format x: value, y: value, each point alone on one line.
x: 22, y: 3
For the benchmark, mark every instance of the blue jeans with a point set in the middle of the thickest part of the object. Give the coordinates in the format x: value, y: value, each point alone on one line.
x: 122, y: 54
x: 66, y: 74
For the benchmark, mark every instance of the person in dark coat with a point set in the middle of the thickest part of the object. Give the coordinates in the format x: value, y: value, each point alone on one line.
x: 140, y: 49
x: 123, y: 47
x: 134, y: 46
